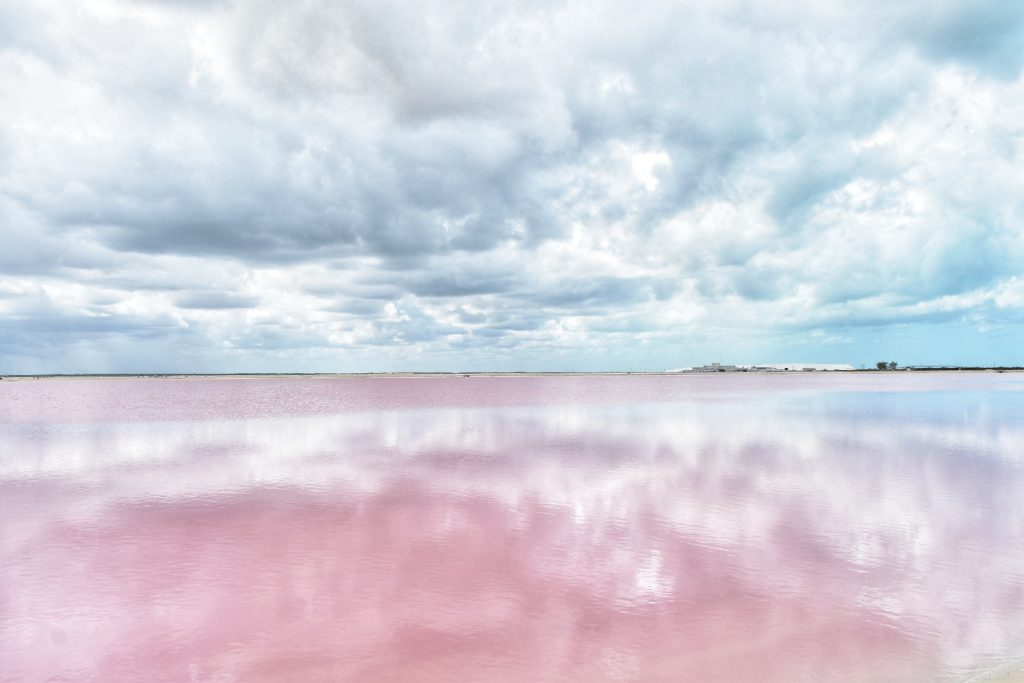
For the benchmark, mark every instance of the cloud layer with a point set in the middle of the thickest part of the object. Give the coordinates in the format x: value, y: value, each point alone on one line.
x: 472, y: 185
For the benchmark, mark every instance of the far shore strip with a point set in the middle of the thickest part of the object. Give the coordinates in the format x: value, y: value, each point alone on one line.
x: 553, y: 373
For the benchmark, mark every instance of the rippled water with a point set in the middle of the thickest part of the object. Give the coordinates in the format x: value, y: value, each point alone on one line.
x: 865, y: 527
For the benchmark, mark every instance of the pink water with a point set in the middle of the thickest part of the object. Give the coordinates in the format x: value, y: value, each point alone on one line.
x: 788, y: 528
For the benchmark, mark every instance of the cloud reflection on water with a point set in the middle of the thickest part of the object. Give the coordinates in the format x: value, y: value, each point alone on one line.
x: 798, y: 536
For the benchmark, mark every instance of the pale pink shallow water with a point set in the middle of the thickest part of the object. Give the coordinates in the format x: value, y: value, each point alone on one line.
x: 725, y: 528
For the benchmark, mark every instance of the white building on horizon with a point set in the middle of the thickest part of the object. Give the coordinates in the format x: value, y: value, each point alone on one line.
x: 770, y: 367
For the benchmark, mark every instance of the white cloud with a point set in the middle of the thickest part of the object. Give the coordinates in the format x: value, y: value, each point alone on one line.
x: 579, y: 176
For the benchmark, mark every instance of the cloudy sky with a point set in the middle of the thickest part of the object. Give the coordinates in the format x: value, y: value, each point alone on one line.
x: 465, y: 184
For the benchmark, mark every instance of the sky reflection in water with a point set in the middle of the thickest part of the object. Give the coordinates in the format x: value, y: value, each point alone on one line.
x: 849, y: 528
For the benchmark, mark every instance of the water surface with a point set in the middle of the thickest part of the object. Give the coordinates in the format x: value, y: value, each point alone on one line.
x: 825, y: 527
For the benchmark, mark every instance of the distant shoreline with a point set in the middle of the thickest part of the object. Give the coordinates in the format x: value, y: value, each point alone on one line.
x: 341, y: 375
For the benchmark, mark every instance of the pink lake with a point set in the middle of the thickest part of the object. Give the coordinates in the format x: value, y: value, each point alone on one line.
x: 818, y: 527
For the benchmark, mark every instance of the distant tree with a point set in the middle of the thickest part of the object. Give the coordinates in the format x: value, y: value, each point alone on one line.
x: 892, y: 365
x: 882, y: 365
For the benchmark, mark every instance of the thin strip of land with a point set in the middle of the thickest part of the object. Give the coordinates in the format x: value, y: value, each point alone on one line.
x: 511, y: 373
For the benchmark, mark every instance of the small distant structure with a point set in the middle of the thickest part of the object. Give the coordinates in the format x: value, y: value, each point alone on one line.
x: 806, y: 367
x: 770, y: 367
x: 718, y: 367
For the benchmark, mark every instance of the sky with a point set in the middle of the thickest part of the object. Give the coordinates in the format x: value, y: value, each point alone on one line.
x: 382, y: 185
